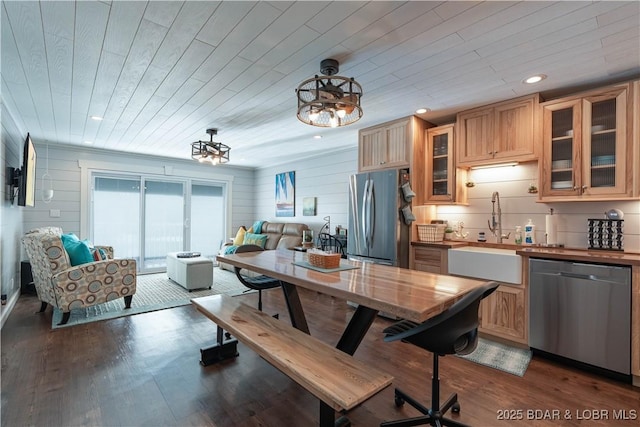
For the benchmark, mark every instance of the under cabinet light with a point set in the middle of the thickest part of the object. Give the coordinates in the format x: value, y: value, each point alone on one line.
x: 497, y: 165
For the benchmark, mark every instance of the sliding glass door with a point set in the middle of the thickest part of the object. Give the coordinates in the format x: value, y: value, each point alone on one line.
x: 115, y: 212
x: 207, y: 218
x: 147, y: 217
x: 164, y: 222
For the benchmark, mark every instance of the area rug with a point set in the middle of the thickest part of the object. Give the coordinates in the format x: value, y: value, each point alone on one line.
x: 499, y: 356
x: 153, y: 292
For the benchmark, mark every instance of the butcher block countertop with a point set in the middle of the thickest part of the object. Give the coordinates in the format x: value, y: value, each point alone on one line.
x: 568, y: 254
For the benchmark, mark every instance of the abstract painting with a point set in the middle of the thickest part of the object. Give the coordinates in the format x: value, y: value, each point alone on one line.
x: 309, y: 206
x: 285, y: 194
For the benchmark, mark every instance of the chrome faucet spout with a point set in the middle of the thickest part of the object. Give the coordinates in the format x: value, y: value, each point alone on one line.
x: 495, y: 225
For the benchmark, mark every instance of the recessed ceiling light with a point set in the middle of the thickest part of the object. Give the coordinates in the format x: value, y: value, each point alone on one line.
x: 96, y: 118
x: 88, y: 142
x: 535, y: 79
x: 317, y: 136
x: 422, y: 110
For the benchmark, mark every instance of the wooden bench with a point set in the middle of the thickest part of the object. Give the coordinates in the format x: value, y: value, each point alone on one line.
x: 340, y: 381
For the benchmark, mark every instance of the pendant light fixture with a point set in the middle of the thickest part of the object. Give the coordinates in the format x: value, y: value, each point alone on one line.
x: 47, y: 190
x: 209, y: 151
x: 329, y: 100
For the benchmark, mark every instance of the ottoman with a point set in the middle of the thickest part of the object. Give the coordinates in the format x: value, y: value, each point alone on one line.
x: 190, y: 272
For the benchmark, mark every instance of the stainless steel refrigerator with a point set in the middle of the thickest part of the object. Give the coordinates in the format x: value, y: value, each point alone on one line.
x: 377, y: 230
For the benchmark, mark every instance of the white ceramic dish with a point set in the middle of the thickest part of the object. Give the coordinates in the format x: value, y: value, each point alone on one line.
x: 562, y: 185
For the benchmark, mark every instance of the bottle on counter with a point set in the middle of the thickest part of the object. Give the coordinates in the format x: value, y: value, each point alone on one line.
x: 518, y: 235
x: 530, y: 233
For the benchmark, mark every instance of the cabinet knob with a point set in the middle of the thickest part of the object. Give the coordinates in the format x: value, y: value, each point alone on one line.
x: 382, y: 162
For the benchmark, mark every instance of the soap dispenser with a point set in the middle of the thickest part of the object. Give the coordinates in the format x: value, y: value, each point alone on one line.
x: 530, y: 233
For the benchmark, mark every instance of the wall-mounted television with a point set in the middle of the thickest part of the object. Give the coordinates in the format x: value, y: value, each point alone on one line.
x: 24, y: 179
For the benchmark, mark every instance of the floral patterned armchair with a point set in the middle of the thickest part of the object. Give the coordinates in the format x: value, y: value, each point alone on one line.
x: 67, y: 287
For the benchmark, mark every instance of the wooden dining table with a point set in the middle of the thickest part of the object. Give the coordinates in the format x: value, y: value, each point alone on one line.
x: 372, y: 288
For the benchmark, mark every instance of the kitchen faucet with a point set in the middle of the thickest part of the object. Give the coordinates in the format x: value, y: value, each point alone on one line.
x: 496, y: 223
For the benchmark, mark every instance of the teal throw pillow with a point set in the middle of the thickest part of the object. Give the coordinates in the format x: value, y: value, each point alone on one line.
x: 69, y: 238
x: 255, y: 239
x: 79, y: 251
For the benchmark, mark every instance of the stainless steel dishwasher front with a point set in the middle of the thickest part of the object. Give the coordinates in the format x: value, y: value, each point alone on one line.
x: 582, y: 312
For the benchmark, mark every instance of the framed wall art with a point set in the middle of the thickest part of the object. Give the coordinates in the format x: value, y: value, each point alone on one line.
x: 285, y: 194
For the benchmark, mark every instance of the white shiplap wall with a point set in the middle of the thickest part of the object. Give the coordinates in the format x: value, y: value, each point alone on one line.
x: 325, y: 177
x: 67, y: 178
x: 518, y: 206
x: 10, y: 215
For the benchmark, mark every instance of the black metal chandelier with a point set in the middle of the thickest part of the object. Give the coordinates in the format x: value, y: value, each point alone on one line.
x: 329, y: 100
x: 209, y: 151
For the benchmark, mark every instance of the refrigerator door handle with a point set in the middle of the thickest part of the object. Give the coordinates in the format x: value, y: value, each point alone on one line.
x: 372, y: 214
x: 364, y: 211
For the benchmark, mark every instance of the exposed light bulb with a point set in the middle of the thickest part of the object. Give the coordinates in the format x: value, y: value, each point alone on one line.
x: 341, y: 113
x: 333, y: 121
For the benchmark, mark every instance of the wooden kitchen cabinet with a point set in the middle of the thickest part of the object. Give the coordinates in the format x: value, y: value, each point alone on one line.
x: 504, y: 313
x: 429, y: 259
x: 445, y: 183
x: 498, y: 133
x: 588, y: 146
x: 390, y: 145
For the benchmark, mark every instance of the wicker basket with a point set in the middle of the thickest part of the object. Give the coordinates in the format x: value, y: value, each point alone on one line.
x: 431, y: 233
x: 324, y: 260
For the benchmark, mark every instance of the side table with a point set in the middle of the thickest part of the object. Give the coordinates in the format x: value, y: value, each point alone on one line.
x: 26, y: 279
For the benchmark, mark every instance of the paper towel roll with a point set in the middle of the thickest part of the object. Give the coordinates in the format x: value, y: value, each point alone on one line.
x: 551, y: 229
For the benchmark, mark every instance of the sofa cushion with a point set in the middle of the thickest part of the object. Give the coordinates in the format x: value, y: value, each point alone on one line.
x: 273, y: 230
x: 291, y: 235
x: 255, y: 239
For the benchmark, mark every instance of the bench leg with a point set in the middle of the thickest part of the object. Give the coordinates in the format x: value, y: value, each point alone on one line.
x: 222, y: 350
x: 328, y: 417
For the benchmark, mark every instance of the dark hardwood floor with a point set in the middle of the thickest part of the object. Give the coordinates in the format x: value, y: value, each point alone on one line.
x: 144, y: 370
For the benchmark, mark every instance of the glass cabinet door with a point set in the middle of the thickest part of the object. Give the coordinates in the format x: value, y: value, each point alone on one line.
x: 440, y: 168
x: 604, y: 136
x: 585, y: 148
x: 562, y: 156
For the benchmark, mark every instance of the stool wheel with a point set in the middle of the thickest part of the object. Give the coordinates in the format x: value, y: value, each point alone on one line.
x: 399, y: 401
x: 455, y: 408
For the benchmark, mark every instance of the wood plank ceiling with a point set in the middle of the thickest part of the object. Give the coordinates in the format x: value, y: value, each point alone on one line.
x: 161, y: 73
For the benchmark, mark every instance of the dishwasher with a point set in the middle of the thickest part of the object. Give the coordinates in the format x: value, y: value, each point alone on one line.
x: 582, y: 312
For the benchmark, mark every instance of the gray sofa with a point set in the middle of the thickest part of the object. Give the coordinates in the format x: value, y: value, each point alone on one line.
x: 280, y: 235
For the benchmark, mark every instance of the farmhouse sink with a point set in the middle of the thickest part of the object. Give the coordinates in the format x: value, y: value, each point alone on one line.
x: 502, y: 265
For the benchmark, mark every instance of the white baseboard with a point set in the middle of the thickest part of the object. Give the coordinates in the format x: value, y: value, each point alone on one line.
x: 6, y: 309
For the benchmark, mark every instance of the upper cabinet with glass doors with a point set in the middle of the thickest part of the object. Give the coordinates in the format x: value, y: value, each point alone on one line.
x: 589, y: 146
x: 444, y: 182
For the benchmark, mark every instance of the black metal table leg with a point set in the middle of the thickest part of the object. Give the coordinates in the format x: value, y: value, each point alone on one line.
x: 356, y: 329
x: 298, y: 319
